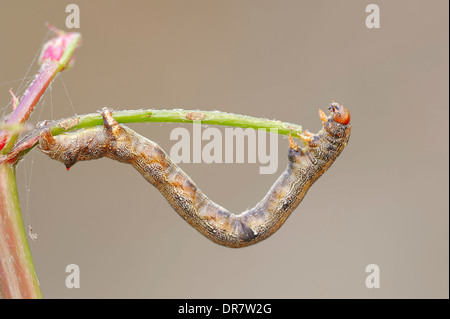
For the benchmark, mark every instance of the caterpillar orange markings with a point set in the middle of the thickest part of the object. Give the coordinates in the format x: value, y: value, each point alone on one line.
x: 340, y: 113
x: 292, y: 144
x: 215, y: 222
x: 323, y: 116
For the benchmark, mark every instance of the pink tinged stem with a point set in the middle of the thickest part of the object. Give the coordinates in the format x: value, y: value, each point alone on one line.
x: 17, y: 274
x: 55, y: 57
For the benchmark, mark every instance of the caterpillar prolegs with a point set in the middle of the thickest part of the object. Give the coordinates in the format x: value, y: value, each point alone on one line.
x: 120, y: 143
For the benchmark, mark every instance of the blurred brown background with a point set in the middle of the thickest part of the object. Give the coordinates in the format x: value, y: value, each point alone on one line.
x: 384, y: 201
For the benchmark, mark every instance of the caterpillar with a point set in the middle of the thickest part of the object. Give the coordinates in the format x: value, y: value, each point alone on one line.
x: 120, y: 143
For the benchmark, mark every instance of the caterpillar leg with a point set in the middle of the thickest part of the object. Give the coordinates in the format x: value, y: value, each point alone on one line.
x: 309, y: 138
x: 112, y: 127
x: 108, y: 119
x: 323, y: 116
x: 292, y: 144
x: 46, y: 141
x: 306, y: 136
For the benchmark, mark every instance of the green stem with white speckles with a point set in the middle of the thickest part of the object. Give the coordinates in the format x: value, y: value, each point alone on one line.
x: 153, y: 115
x: 185, y: 116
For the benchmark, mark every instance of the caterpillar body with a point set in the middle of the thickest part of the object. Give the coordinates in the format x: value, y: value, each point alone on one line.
x: 120, y: 143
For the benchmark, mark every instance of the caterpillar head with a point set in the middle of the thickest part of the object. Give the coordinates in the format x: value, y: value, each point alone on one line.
x: 339, y: 113
x: 338, y: 122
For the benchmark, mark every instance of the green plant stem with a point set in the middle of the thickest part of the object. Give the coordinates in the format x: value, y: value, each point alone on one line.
x: 17, y: 274
x: 186, y: 116
x: 152, y: 115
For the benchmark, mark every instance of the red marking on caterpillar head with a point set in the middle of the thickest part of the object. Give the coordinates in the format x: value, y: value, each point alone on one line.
x: 340, y: 113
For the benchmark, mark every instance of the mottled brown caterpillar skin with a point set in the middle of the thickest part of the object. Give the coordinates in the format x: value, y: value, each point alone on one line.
x: 215, y: 222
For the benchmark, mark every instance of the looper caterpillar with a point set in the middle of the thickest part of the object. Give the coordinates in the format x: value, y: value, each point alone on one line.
x: 120, y: 143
